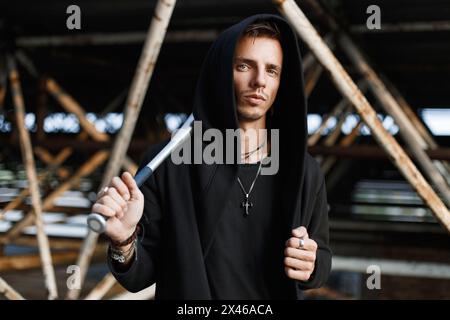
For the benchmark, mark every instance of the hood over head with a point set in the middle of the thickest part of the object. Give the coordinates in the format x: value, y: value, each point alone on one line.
x: 215, y: 102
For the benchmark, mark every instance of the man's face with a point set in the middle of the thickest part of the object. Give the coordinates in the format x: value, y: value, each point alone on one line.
x: 257, y: 73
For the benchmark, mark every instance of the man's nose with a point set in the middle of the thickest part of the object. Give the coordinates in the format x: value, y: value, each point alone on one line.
x: 259, y: 79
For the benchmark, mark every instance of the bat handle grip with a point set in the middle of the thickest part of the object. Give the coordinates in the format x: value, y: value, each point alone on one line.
x: 143, y: 175
x: 97, y: 222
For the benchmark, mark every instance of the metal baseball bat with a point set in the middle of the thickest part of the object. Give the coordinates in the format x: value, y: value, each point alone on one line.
x: 97, y: 222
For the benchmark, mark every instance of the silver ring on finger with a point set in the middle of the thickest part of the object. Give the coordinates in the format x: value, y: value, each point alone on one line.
x: 103, y: 191
x: 301, y: 243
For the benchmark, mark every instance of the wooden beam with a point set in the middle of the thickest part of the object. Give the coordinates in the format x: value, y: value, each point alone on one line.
x: 419, y: 26
x: 102, y: 288
x: 70, y: 105
x: 3, y: 81
x: 308, y: 62
x: 410, y: 135
x: 333, y: 136
x: 130, y: 166
x: 55, y: 243
x: 8, y: 291
x: 369, y: 152
x: 51, y: 160
x: 13, y: 204
x: 402, y: 268
x: 146, y: 294
x: 407, y: 109
x: 309, y: 59
x: 143, y: 73
x: 336, y: 132
x: 335, y: 111
x: 329, y: 293
x: 345, y: 142
x: 55, y: 209
x: 54, y: 162
x: 87, y: 146
x: 117, y: 38
x: 334, y: 177
x: 27, y: 154
x: 31, y: 261
x: 86, y: 169
x: 312, y: 78
x: 348, y: 88
x: 443, y: 167
x: 41, y: 107
x: 115, y: 103
x: 44, y: 155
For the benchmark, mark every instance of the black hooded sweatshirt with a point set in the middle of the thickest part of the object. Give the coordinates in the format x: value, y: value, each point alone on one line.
x: 184, y: 203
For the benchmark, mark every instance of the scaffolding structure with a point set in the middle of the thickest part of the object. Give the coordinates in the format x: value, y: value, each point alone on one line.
x: 421, y: 161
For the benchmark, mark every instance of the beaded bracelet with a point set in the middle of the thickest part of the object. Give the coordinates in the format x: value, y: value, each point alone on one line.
x: 127, y: 241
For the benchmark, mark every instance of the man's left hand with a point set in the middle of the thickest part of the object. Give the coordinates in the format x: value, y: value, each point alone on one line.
x: 300, y: 256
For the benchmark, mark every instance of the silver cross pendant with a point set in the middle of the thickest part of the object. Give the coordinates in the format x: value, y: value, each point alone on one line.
x: 247, y: 205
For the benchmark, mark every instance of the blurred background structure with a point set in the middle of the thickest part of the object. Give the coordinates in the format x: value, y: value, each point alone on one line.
x: 65, y: 94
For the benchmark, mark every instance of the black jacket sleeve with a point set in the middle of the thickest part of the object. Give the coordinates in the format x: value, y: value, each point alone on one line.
x: 142, y: 271
x: 319, y: 231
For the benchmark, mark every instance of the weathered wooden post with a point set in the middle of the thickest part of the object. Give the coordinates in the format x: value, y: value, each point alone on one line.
x: 335, y: 111
x: 8, y: 291
x: 312, y: 78
x: 144, y: 71
x: 415, y: 142
x: 349, y: 89
x: 3, y: 81
x: 27, y: 154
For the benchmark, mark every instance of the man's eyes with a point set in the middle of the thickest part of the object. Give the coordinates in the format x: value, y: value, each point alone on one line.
x: 242, y: 67
x: 245, y: 67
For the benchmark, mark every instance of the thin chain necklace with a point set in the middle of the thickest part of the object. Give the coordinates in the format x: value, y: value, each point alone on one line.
x: 246, y: 204
x: 249, y: 153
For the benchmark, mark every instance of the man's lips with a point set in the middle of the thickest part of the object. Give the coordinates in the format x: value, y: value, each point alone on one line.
x: 256, y: 96
x: 255, y: 99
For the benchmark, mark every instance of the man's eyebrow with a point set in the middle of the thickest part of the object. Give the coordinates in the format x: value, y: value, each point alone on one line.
x: 249, y: 61
x: 274, y: 66
x: 253, y: 62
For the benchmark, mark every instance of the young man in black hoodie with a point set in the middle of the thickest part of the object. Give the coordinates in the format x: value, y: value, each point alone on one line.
x: 224, y: 231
